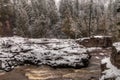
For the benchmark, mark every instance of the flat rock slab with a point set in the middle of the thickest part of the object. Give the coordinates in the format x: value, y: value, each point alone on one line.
x: 15, y: 51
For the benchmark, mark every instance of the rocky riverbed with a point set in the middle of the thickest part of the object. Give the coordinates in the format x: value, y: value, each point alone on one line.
x: 52, y: 59
x: 29, y: 72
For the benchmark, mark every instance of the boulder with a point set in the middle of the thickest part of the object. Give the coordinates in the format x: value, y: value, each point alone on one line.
x: 110, y: 66
x: 96, y: 41
x: 15, y: 51
x: 115, y: 56
x: 109, y: 71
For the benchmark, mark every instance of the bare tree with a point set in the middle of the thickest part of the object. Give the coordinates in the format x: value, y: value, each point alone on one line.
x: 90, y: 17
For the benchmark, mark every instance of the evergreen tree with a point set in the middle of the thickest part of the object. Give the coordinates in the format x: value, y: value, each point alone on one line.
x: 6, y: 13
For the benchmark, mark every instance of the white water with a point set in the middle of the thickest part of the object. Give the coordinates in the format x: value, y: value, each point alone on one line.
x: 57, y: 2
x: 29, y: 1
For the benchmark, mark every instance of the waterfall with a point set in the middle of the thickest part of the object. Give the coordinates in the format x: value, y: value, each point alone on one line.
x: 57, y: 2
x: 11, y: 1
x: 29, y: 2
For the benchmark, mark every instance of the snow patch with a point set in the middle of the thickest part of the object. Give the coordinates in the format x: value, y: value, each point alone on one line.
x: 102, y: 54
x: 117, y: 46
x: 93, y: 49
x: 100, y: 36
x: 111, y: 72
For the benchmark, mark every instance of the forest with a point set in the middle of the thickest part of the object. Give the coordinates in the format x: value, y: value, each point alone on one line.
x: 59, y: 39
x: 59, y: 18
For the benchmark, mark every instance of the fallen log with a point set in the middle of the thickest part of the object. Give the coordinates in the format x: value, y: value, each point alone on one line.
x: 15, y: 51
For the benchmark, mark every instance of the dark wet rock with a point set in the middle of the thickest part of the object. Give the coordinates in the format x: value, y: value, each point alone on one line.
x: 96, y: 41
x: 115, y: 56
x: 17, y: 51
